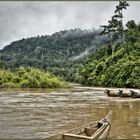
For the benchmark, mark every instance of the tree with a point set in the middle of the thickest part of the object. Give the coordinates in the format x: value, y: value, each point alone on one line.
x: 119, y: 16
x: 115, y: 26
x: 132, y: 32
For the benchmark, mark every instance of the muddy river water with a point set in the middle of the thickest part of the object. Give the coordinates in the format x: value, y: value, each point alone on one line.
x: 41, y: 113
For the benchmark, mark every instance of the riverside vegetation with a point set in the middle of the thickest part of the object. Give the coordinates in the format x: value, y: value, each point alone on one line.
x: 30, y: 78
x: 109, y: 59
x: 117, y: 66
x: 118, y: 63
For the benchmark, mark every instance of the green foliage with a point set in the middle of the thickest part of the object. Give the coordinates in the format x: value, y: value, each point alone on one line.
x: 30, y: 78
x: 134, y: 78
x: 3, y: 65
x: 132, y: 33
x: 122, y: 68
x: 56, y: 53
x: 115, y: 26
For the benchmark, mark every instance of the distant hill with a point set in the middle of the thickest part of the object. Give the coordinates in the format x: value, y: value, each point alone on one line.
x: 61, y: 53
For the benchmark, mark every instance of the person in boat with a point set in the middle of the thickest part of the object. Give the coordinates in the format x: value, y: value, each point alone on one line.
x: 107, y: 91
x: 119, y: 92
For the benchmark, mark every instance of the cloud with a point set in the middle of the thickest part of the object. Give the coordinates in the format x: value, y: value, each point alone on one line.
x: 25, y: 19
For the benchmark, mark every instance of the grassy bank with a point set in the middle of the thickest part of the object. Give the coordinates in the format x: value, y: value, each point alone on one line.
x: 30, y: 78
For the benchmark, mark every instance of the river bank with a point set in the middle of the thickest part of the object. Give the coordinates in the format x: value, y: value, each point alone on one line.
x: 78, y: 86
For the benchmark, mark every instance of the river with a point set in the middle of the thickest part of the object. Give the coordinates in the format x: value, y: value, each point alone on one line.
x: 40, y: 113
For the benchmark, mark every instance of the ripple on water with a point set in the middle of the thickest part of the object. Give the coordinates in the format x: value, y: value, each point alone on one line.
x: 38, y: 115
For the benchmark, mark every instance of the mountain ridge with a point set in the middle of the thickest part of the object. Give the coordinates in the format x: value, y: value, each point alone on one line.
x: 53, y: 52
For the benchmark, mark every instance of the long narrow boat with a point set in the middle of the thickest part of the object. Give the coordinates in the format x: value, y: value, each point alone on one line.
x: 121, y: 93
x: 113, y: 94
x: 94, y: 130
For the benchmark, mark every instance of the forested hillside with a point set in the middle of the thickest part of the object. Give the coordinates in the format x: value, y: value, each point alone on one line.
x: 61, y: 53
x: 116, y: 65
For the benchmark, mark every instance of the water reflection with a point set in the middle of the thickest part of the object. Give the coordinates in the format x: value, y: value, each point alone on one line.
x: 38, y: 114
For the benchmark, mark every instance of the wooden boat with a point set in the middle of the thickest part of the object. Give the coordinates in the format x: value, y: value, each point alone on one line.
x: 135, y: 94
x: 94, y: 130
x: 120, y: 93
x: 126, y: 94
x: 112, y: 94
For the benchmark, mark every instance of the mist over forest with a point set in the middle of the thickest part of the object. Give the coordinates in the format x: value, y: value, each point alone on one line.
x: 60, y: 53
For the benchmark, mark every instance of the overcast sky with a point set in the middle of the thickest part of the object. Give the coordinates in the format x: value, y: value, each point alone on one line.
x: 25, y: 19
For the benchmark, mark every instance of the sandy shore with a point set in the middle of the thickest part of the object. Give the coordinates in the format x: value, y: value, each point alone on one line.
x: 103, y: 88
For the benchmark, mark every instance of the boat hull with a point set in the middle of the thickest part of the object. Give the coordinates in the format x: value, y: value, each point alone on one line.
x: 125, y: 95
x: 80, y: 134
x: 136, y: 95
x: 113, y: 95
